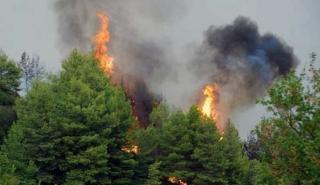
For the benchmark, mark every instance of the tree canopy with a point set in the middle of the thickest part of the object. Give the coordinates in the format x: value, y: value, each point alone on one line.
x: 190, y: 149
x: 9, y: 87
x: 74, y: 126
x: 290, y: 137
x: 77, y: 128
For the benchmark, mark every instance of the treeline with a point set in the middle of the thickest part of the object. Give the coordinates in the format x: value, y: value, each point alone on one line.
x: 77, y: 128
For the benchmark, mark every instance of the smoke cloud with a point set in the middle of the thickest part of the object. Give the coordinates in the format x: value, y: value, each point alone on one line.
x: 236, y: 57
x: 136, y: 28
x: 242, y: 62
x: 140, y: 48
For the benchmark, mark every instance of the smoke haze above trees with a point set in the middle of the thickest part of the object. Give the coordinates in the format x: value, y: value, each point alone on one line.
x: 235, y: 56
x: 80, y: 126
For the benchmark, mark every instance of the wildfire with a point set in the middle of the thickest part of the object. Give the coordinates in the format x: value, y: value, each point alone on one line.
x: 209, y: 106
x: 101, y: 40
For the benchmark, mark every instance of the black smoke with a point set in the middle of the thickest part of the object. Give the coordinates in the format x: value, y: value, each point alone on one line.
x: 242, y: 61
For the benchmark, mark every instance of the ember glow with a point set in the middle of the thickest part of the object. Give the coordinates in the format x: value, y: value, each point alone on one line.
x: 101, y: 40
x: 176, y: 180
x: 131, y: 149
x: 209, y: 106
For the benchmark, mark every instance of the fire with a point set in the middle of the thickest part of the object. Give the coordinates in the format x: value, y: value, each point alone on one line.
x: 209, y: 107
x: 101, y: 40
x: 131, y: 149
x: 176, y: 180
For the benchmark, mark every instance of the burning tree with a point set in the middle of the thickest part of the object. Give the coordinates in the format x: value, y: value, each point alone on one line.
x: 209, y: 107
x: 135, y: 88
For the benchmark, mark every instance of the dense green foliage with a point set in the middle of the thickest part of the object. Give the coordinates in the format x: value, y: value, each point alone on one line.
x: 9, y: 86
x: 154, y: 175
x: 190, y: 148
x: 290, y: 137
x: 73, y: 128
x: 76, y: 128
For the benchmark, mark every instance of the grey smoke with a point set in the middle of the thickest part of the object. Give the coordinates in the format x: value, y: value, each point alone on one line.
x: 140, y: 49
x: 237, y: 57
x: 137, y: 41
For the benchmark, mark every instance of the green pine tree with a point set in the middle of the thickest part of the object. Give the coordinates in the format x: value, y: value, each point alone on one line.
x: 190, y: 149
x: 22, y: 170
x: 9, y: 86
x: 237, y: 162
x: 74, y: 127
x: 154, y: 174
x: 7, y: 172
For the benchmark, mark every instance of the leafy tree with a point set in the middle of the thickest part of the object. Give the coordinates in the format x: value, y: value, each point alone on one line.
x: 74, y: 127
x: 9, y: 87
x: 290, y: 137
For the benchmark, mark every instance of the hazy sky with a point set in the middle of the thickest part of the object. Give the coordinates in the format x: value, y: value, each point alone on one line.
x: 31, y: 26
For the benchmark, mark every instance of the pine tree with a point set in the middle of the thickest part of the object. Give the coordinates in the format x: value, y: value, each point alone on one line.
x: 75, y: 125
x: 154, y: 174
x: 15, y: 163
x: 208, y: 152
x: 190, y: 149
x: 237, y: 161
x: 7, y: 172
x: 9, y: 87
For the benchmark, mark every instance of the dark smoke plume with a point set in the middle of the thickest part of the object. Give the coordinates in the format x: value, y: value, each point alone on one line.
x: 242, y: 61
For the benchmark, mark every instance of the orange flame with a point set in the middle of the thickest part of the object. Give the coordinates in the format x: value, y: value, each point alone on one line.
x: 131, y: 149
x: 209, y: 105
x: 101, y: 40
x: 176, y: 180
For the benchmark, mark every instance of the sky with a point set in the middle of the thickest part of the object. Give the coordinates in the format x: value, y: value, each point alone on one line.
x: 31, y: 26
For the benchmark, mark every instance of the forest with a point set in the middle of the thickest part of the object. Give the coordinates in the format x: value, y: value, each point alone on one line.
x: 77, y: 127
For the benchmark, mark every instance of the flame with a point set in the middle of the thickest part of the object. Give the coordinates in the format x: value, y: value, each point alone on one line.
x: 101, y: 40
x: 176, y: 180
x: 131, y: 149
x: 209, y: 107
